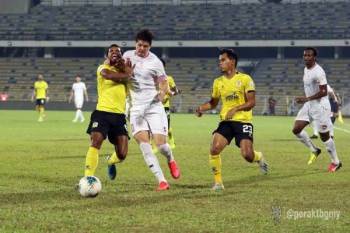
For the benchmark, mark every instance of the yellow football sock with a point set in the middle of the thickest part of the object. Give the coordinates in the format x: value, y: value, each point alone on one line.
x: 340, y: 117
x: 91, y: 161
x: 113, y: 159
x: 171, y: 137
x: 215, y: 164
x: 257, y: 156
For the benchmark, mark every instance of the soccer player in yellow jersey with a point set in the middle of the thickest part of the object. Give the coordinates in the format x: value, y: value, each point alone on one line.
x: 108, y: 120
x: 237, y: 93
x: 172, y: 91
x: 40, y: 93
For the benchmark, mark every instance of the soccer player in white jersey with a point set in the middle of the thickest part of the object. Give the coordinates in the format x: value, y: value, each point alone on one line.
x: 316, y: 108
x: 79, y: 92
x: 148, y: 87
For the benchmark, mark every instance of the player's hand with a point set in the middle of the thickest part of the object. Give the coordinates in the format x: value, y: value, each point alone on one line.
x: 161, y: 96
x: 129, y: 67
x: 301, y: 99
x: 198, y: 112
x: 230, y: 114
x: 47, y: 99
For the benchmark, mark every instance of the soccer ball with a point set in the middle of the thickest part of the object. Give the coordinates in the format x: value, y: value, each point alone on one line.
x: 89, y: 186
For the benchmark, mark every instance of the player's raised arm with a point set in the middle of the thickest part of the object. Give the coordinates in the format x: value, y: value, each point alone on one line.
x: 124, y: 69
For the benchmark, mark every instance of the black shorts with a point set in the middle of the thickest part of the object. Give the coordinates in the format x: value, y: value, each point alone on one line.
x: 167, y: 111
x: 235, y: 129
x: 109, y: 124
x: 40, y: 101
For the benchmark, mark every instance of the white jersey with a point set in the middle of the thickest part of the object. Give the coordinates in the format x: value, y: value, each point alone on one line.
x: 318, y: 110
x: 78, y: 90
x: 313, y: 78
x: 148, y: 72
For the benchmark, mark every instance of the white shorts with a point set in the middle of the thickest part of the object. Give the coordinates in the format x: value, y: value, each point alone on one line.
x: 78, y: 103
x: 319, y: 113
x: 149, y: 118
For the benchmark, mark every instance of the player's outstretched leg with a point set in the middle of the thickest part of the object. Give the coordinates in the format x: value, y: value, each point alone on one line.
x: 153, y: 164
x: 263, y: 165
x: 215, y: 165
x: 112, y: 160
x: 166, y: 151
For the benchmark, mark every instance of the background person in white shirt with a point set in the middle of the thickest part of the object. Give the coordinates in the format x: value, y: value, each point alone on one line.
x: 148, y: 87
x: 316, y: 107
x: 78, y: 92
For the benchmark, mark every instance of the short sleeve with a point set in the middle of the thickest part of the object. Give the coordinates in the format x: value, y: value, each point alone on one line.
x: 159, y: 71
x: 249, y: 84
x: 321, y: 77
x: 215, y: 90
x: 99, y: 69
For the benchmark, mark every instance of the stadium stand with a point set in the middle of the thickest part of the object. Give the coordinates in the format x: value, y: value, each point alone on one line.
x: 273, y: 77
x: 180, y: 22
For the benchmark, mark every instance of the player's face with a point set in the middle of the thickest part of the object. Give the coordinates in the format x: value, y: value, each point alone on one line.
x: 77, y: 79
x: 309, y: 58
x: 142, y: 48
x: 40, y: 77
x: 114, y: 54
x: 225, y: 63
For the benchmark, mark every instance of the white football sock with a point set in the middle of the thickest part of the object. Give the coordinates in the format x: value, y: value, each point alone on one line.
x: 305, y: 139
x: 330, y: 146
x: 166, y: 151
x: 315, y: 128
x: 76, y: 115
x: 81, y: 116
x: 152, y: 161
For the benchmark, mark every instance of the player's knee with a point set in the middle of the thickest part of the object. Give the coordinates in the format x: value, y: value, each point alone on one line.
x: 96, y: 140
x: 215, y: 149
x: 324, y: 137
x: 296, y: 131
x: 248, y: 155
x: 121, y: 155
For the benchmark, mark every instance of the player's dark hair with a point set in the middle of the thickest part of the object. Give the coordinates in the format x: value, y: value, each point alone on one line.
x: 111, y: 46
x: 163, y: 61
x: 145, y: 35
x: 231, y: 54
x: 312, y: 49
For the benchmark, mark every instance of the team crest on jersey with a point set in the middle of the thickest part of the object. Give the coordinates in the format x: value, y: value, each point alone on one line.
x: 94, y: 124
x: 238, y: 83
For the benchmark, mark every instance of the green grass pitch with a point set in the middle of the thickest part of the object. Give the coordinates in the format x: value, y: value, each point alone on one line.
x: 40, y: 163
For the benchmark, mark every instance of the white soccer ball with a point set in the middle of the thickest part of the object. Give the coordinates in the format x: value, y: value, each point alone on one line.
x: 89, y: 186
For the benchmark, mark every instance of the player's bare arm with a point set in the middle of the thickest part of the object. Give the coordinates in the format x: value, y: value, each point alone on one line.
x: 322, y: 92
x: 119, y: 76
x: 211, y: 104
x: 247, y: 106
x: 86, y: 96
x: 163, y: 89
